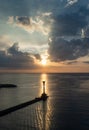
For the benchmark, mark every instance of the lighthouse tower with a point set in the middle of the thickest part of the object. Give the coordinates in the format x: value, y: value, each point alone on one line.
x: 43, y: 86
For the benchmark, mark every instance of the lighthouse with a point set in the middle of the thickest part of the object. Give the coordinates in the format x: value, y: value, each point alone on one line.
x: 44, y: 96
x: 43, y: 86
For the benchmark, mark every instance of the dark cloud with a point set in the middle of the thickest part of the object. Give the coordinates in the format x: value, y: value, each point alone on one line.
x: 84, y: 10
x: 31, y: 7
x: 86, y: 62
x: 71, y: 62
x: 13, y: 58
x: 23, y: 20
x: 61, y: 50
x: 69, y: 24
x: 37, y: 56
x: 86, y: 32
x: 14, y: 49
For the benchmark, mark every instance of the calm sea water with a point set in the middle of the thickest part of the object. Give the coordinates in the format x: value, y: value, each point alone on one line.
x: 67, y: 107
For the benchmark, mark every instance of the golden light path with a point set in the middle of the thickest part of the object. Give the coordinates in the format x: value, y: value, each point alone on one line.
x: 46, y: 109
x: 43, y: 78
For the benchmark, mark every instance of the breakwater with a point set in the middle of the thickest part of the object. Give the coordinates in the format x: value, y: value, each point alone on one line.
x: 14, y: 108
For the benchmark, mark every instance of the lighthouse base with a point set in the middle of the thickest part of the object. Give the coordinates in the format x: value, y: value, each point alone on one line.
x: 44, y: 96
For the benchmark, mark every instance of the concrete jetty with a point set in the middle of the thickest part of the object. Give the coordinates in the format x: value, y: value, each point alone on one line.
x: 14, y: 108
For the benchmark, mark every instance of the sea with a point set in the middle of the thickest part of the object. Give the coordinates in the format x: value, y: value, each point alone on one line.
x: 67, y: 107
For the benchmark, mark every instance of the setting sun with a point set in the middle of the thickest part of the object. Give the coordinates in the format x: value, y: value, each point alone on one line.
x: 44, y: 60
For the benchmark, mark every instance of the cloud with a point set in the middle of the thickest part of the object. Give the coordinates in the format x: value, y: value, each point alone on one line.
x: 49, y: 18
x: 32, y: 7
x: 86, y: 32
x: 4, y: 41
x: 54, y: 21
x: 69, y: 24
x: 71, y: 2
x: 10, y: 20
x: 37, y: 56
x: 30, y: 24
x: 12, y: 58
x: 66, y: 26
x: 71, y: 62
x: 62, y: 50
x: 86, y: 62
x: 23, y: 20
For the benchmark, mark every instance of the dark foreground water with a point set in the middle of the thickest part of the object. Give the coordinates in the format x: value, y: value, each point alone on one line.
x: 67, y: 107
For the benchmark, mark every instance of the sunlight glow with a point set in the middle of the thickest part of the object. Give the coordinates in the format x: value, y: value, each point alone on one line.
x: 44, y: 60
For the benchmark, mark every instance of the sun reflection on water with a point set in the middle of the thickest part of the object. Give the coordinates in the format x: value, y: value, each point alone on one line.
x: 43, y: 78
x: 44, y: 107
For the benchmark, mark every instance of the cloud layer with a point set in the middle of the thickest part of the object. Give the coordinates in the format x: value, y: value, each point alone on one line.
x: 31, y: 23
x: 37, y: 24
x: 69, y: 35
x: 61, y: 50
x: 12, y: 58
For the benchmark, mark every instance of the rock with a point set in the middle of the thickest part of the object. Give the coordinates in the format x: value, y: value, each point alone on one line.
x: 7, y: 85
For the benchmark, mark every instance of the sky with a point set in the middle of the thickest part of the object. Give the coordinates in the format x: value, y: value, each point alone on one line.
x: 44, y: 36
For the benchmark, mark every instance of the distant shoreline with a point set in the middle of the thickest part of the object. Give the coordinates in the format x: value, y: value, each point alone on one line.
x: 44, y: 73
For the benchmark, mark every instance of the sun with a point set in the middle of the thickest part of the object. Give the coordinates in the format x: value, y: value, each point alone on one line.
x: 44, y: 60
